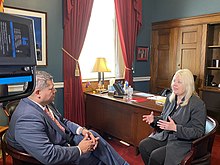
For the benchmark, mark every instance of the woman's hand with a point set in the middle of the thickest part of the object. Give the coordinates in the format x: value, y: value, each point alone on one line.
x: 149, y: 118
x: 167, y: 125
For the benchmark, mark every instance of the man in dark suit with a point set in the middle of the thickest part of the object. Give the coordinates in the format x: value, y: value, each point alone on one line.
x: 38, y: 128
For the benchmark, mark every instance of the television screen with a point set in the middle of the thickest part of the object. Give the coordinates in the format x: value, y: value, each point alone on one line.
x: 17, y: 41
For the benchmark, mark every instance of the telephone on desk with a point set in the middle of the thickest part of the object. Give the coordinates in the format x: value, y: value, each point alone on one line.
x: 119, y: 90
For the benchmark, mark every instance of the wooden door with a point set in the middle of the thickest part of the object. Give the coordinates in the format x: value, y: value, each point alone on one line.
x: 189, y: 49
x: 162, y: 58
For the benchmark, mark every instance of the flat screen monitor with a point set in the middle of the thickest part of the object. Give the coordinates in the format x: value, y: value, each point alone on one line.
x: 17, y: 55
x: 17, y: 41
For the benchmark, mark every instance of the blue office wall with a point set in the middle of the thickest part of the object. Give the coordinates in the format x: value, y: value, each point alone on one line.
x: 161, y: 10
x: 171, y: 9
x: 142, y: 68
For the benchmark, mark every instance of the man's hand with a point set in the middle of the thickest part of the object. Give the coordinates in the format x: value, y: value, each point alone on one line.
x: 91, y: 137
x: 87, y: 144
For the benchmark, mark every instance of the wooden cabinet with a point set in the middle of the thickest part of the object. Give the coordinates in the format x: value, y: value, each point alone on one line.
x: 191, y: 43
x: 212, y: 68
x: 189, y: 51
x: 210, y: 92
x: 188, y: 48
x: 172, y: 49
x: 211, y: 97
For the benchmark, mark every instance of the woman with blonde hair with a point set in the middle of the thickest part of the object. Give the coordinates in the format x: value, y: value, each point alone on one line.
x: 181, y: 121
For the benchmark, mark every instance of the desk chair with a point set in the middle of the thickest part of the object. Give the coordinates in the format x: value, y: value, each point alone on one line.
x: 18, y: 157
x: 165, y: 92
x: 10, y: 108
x: 200, y: 153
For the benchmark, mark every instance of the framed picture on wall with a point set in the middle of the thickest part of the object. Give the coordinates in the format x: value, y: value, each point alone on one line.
x: 40, y: 26
x: 142, y: 53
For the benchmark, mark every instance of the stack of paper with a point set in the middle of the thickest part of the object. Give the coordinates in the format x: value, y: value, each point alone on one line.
x: 142, y: 94
x: 159, y: 99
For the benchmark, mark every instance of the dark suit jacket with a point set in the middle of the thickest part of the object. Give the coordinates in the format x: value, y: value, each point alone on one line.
x: 32, y: 130
x: 190, y: 121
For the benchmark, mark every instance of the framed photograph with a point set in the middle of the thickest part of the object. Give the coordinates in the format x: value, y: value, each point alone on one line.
x: 142, y: 53
x: 40, y: 26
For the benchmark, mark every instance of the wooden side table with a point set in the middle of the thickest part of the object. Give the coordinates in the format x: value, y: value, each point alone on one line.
x: 2, y: 131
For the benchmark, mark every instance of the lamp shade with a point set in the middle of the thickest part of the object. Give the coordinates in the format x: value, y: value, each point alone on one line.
x: 100, y: 65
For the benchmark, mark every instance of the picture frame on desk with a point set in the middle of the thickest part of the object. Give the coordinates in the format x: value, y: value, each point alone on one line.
x: 142, y: 53
x: 40, y: 26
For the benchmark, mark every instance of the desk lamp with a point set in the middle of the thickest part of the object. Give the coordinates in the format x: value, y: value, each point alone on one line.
x: 100, y: 67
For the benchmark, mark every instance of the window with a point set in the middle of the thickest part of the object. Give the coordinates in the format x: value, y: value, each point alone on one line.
x: 102, y: 41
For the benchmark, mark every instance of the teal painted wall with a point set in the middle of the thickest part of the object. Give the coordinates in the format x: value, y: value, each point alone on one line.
x: 142, y: 68
x: 171, y: 9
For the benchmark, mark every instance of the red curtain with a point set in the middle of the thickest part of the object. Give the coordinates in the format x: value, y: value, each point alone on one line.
x: 76, y: 19
x: 129, y: 19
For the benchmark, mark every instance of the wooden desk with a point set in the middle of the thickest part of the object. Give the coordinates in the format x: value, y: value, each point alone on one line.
x: 118, y: 117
